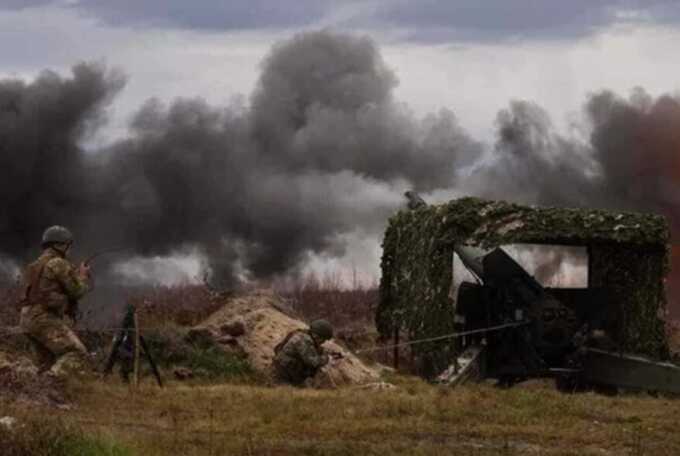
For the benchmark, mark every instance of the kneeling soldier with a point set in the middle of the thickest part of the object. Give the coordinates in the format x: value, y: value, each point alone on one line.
x: 52, y: 285
x: 299, y: 356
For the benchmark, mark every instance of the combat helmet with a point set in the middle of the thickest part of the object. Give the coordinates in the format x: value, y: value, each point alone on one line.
x: 56, y: 235
x: 322, y: 329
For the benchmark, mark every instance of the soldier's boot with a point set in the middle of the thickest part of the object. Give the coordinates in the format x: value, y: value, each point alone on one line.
x: 44, y: 358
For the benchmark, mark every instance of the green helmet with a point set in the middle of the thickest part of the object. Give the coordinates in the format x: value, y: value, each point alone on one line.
x: 321, y: 328
x: 56, y: 235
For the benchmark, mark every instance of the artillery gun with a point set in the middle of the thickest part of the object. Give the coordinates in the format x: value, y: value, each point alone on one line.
x: 520, y: 330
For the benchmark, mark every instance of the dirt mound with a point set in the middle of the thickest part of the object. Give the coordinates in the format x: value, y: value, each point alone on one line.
x: 256, y: 322
x: 19, y: 378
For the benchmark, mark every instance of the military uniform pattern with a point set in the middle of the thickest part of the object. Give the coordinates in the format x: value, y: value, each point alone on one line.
x: 298, y: 359
x: 43, y: 314
x: 59, y: 282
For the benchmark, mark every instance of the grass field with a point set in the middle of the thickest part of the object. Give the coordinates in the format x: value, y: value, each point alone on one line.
x: 413, y: 419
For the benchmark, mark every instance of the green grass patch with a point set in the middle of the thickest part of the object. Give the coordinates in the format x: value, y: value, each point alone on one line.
x: 170, y: 348
x: 215, y: 363
x: 42, y: 437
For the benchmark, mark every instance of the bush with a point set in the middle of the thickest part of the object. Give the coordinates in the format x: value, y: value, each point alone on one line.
x: 40, y: 437
x: 170, y: 348
x: 215, y: 363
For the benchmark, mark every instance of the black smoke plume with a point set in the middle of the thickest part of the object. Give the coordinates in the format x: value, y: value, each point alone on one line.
x: 322, y: 149
x: 44, y: 176
x: 629, y: 159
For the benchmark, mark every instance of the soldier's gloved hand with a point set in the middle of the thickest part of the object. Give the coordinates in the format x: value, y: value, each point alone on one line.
x: 84, y: 270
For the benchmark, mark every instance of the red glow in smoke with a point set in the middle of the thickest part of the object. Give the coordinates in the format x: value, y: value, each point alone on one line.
x: 656, y: 178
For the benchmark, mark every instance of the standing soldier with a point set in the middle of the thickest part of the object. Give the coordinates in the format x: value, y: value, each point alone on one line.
x: 52, y: 287
x: 299, y: 356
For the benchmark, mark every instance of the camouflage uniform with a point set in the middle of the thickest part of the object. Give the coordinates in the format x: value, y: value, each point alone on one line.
x: 51, y: 285
x: 297, y: 358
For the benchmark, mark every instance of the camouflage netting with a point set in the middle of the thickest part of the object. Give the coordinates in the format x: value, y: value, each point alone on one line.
x: 628, y: 254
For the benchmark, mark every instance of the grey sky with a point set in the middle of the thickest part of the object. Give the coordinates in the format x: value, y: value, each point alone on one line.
x: 22, y: 4
x: 489, y: 20
x: 422, y: 21
x: 208, y: 14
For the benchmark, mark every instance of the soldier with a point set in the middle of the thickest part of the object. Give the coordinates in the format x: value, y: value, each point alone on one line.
x: 52, y: 285
x: 414, y: 200
x: 299, y: 356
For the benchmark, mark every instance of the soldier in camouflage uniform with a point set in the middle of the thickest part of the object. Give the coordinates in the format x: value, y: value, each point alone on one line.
x: 52, y: 285
x: 299, y: 356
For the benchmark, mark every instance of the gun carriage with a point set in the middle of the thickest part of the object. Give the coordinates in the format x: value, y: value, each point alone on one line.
x: 562, y: 332
x: 509, y: 327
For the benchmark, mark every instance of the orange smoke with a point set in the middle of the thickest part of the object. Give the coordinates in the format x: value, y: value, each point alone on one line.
x: 656, y: 178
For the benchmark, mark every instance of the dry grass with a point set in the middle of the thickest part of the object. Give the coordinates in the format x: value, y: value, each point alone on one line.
x: 41, y: 436
x: 415, y: 419
x: 184, y: 305
x: 351, y: 310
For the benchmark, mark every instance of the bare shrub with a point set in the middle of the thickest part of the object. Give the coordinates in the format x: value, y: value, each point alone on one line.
x: 348, y: 308
x: 184, y: 305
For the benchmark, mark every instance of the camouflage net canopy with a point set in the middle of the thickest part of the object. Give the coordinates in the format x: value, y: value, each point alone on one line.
x: 627, y: 254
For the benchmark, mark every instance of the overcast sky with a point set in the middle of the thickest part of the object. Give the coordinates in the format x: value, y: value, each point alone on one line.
x: 470, y: 56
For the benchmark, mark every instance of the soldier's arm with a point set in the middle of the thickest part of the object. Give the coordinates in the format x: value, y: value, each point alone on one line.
x: 25, y: 284
x: 63, y: 272
x: 309, y: 354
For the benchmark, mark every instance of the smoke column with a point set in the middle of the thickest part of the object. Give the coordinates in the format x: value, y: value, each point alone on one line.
x: 322, y: 149
x: 629, y: 160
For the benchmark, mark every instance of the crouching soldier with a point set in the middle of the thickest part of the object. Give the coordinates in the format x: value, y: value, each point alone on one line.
x: 51, y: 287
x: 300, y: 355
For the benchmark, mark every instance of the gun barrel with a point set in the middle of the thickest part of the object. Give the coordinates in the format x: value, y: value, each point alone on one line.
x: 95, y: 255
x: 472, y: 258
